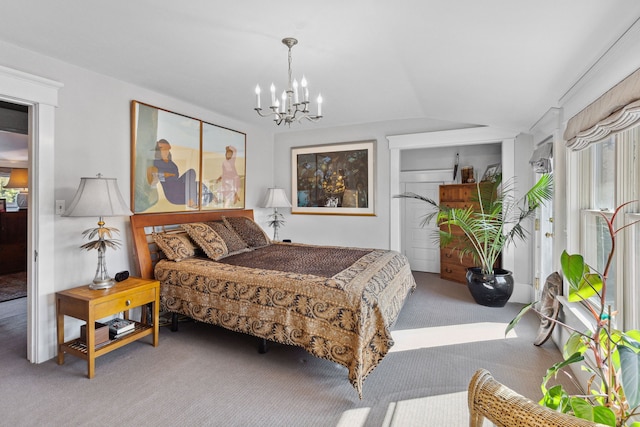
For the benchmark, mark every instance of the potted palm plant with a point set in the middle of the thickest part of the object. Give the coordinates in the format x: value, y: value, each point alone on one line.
x: 483, y: 231
x: 609, y: 355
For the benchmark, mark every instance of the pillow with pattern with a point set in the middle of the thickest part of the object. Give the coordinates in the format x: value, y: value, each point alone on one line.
x: 208, y: 240
x: 234, y: 243
x: 175, y: 244
x: 248, y: 230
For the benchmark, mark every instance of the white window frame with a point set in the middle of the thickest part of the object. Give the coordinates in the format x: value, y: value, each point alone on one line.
x: 627, y: 250
x: 632, y: 287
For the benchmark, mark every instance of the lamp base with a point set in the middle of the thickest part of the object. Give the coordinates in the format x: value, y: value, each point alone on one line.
x: 102, y: 279
x: 102, y: 283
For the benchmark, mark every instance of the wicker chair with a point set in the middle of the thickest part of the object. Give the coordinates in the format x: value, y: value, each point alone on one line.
x: 505, y: 408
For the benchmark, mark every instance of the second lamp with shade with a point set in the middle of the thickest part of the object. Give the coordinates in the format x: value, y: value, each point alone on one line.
x: 19, y: 180
x: 99, y: 197
x: 276, y: 198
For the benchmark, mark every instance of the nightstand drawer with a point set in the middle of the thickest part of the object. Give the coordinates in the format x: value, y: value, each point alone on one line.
x: 126, y: 302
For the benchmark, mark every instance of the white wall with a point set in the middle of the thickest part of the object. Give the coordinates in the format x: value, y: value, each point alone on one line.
x: 478, y: 156
x: 92, y: 135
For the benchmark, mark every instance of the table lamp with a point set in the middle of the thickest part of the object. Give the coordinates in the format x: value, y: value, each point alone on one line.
x: 19, y: 179
x: 99, y: 197
x: 276, y: 198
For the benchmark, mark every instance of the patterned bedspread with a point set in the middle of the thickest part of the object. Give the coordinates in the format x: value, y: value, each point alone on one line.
x: 345, y: 317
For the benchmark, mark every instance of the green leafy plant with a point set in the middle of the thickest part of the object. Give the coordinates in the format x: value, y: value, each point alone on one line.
x: 609, y: 355
x: 498, y: 221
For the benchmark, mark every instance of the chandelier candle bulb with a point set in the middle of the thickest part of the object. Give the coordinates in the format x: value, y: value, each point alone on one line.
x: 303, y: 83
x: 295, y: 91
x: 273, y: 95
x: 258, y: 96
x: 319, y: 105
x: 283, y: 107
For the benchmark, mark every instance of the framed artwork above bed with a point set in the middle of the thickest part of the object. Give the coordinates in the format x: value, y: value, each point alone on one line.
x: 179, y: 163
x: 334, y: 179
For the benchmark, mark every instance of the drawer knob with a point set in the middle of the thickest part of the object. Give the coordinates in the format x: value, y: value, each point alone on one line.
x: 128, y: 302
x: 448, y: 270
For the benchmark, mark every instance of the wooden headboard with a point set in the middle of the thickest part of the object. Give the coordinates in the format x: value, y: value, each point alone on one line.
x: 142, y: 226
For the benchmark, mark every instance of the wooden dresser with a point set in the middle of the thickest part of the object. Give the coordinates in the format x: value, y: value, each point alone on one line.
x: 456, y: 196
x: 13, y: 241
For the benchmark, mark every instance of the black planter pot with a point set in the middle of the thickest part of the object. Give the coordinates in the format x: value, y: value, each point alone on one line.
x: 490, y: 290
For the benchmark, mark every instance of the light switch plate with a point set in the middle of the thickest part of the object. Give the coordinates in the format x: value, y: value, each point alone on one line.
x: 60, y: 207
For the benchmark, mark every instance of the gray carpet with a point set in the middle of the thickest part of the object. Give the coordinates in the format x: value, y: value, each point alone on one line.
x: 13, y: 286
x: 205, y: 375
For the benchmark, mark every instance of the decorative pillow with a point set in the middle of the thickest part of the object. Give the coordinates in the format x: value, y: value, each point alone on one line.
x: 175, y: 244
x: 248, y: 230
x: 210, y: 241
x: 231, y: 239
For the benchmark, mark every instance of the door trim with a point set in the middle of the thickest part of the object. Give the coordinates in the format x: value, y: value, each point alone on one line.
x: 41, y: 95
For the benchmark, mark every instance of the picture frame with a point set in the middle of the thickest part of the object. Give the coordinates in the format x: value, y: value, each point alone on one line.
x: 333, y: 179
x: 181, y: 164
x: 492, y: 172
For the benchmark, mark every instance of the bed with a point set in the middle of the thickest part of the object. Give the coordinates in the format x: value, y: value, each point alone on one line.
x: 337, y: 303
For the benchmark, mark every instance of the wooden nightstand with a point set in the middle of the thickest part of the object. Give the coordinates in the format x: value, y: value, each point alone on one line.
x: 91, y: 305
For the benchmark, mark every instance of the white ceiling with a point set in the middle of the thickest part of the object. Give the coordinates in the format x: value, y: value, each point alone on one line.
x: 14, y: 150
x: 491, y: 62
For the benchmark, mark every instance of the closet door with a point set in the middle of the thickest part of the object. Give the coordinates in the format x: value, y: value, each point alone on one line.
x: 420, y: 241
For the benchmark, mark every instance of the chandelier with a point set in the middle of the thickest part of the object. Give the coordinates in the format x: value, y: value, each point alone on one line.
x: 292, y: 106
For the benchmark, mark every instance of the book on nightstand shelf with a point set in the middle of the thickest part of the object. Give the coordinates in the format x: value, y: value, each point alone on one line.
x: 101, y: 334
x: 119, y: 326
x: 120, y: 335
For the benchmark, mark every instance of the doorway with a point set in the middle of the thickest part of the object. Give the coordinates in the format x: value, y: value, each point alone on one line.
x: 40, y: 95
x: 14, y: 163
x: 544, y: 247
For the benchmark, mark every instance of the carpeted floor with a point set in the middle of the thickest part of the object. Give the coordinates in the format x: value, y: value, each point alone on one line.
x: 13, y: 286
x: 206, y: 375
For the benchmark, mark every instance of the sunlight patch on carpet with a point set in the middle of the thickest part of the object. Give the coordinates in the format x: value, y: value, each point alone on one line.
x: 438, y: 336
x: 354, y: 417
x: 442, y: 410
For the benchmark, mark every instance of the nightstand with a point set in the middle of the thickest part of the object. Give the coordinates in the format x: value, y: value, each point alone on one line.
x: 90, y: 305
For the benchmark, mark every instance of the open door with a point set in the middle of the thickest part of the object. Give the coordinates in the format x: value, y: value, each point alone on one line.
x: 542, y: 161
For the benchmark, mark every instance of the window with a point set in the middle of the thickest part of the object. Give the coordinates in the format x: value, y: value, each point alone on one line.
x: 610, y: 178
x: 596, y: 247
x: 604, y: 169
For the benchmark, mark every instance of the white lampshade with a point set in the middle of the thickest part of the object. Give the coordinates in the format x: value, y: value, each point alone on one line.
x: 19, y: 178
x: 276, y: 198
x: 98, y: 197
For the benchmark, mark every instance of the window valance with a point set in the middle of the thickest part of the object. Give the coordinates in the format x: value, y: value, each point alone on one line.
x: 618, y: 109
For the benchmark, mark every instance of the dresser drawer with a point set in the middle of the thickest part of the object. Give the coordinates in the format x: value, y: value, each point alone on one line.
x: 460, y: 205
x: 453, y: 257
x: 124, y: 302
x: 457, y: 192
x: 455, y: 272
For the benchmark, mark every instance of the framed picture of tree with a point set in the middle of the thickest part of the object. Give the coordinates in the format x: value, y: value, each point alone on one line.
x: 334, y: 179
